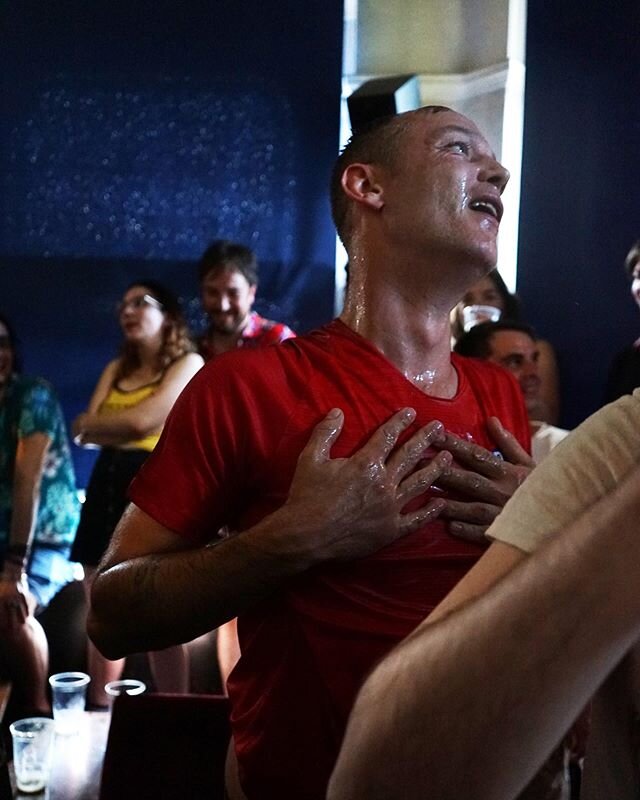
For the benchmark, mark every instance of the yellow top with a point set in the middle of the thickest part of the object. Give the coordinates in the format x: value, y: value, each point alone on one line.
x: 120, y: 400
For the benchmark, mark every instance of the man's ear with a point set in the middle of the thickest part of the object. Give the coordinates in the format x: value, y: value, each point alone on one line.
x: 360, y: 183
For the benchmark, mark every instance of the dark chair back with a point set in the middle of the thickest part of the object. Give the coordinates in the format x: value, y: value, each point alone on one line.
x: 166, y: 746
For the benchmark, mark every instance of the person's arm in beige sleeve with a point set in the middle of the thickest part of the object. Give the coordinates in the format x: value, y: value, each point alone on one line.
x: 471, y: 705
x: 586, y: 469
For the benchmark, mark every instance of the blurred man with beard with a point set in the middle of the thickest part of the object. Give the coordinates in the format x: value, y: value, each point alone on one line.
x: 228, y: 274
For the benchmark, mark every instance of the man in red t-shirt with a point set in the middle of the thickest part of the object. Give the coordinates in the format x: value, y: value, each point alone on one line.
x: 228, y: 275
x: 228, y: 278
x: 323, y: 454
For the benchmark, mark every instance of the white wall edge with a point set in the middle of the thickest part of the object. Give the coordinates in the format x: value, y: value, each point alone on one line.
x: 449, y: 88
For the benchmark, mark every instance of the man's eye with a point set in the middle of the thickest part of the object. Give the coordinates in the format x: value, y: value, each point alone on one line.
x: 460, y: 147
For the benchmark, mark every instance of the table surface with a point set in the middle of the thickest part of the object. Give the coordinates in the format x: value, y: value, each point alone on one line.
x: 77, y: 762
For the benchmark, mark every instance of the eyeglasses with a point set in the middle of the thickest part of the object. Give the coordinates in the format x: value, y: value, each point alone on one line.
x: 138, y: 302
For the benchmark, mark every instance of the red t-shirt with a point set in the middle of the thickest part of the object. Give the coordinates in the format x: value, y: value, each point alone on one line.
x: 227, y: 456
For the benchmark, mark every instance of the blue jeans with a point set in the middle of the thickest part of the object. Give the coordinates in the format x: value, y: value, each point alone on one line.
x: 48, y: 571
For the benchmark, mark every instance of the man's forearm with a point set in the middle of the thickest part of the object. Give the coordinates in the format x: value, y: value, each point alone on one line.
x: 178, y: 596
x: 471, y: 706
x: 150, y: 592
x: 612, y: 766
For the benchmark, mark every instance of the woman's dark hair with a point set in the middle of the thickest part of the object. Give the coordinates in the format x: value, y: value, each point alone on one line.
x: 176, y: 338
x: 511, y: 302
x: 13, y: 343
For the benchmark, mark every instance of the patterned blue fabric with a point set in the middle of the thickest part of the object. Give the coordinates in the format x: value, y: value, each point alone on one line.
x: 30, y: 406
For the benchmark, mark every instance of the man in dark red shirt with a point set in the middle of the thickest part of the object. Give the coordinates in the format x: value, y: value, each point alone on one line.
x: 228, y: 278
x: 323, y: 453
x: 228, y: 275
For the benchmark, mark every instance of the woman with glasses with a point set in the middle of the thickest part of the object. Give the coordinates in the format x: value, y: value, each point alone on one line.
x: 125, y: 417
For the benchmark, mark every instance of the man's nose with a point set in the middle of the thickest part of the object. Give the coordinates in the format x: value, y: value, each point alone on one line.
x: 493, y: 172
x: 224, y: 304
x: 530, y: 370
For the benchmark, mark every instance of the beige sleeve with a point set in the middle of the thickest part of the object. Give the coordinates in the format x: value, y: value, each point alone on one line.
x: 584, y: 467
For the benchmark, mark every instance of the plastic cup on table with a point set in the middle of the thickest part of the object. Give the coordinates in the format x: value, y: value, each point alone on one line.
x: 32, y: 752
x: 69, y: 693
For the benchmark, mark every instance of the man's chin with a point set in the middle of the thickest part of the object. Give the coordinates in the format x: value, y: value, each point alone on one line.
x: 224, y: 329
x: 535, y: 407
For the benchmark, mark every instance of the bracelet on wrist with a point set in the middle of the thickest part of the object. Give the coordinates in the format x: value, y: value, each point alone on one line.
x: 19, y: 549
x: 17, y: 555
x: 10, y: 575
x: 16, y: 561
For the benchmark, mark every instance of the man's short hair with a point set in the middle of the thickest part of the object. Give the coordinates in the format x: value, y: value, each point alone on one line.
x: 373, y: 143
x: 476, y: 342
x: 223, y: 255
x: 633, y: 256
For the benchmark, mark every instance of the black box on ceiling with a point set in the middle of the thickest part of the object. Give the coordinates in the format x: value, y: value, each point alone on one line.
x: 382, y: 97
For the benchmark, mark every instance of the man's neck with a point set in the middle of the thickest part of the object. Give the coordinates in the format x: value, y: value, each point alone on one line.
x: 411, y: 331
x: 220, y: 342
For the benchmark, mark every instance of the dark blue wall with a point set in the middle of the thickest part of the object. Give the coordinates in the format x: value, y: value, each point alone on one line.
x: 134, y: 133
x: 580, y: 207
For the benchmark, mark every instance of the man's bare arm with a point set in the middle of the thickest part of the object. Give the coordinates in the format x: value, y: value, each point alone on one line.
x: 471, y: 705
x: 152, y: 591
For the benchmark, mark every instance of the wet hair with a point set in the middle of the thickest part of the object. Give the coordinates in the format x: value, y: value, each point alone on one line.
x: 633, y: 256
x: 176, y: 341
x: 373, y: 143
x: 476, y: 342
x: 510, y: 304
x: 223, y: 255
x: 13, y: 343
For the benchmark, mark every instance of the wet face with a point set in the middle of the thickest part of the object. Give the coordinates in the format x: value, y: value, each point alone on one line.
x: 518, y: 352
x: 443, y: 194
x: 141, y: 316
x: 227, y: 298
x: 6, y: 356
x: 635, y: 284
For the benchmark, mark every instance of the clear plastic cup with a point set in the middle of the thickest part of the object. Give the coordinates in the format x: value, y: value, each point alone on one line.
x: 472, y: 315
x: 32, y: 752
x: 68, y: 690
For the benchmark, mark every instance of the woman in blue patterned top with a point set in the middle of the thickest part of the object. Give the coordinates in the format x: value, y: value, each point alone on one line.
x: 38, y: 517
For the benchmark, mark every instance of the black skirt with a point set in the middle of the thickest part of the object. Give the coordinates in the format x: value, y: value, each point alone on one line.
x: 105, y: 502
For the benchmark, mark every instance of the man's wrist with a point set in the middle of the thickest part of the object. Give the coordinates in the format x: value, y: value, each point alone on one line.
x: 288, y: 537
